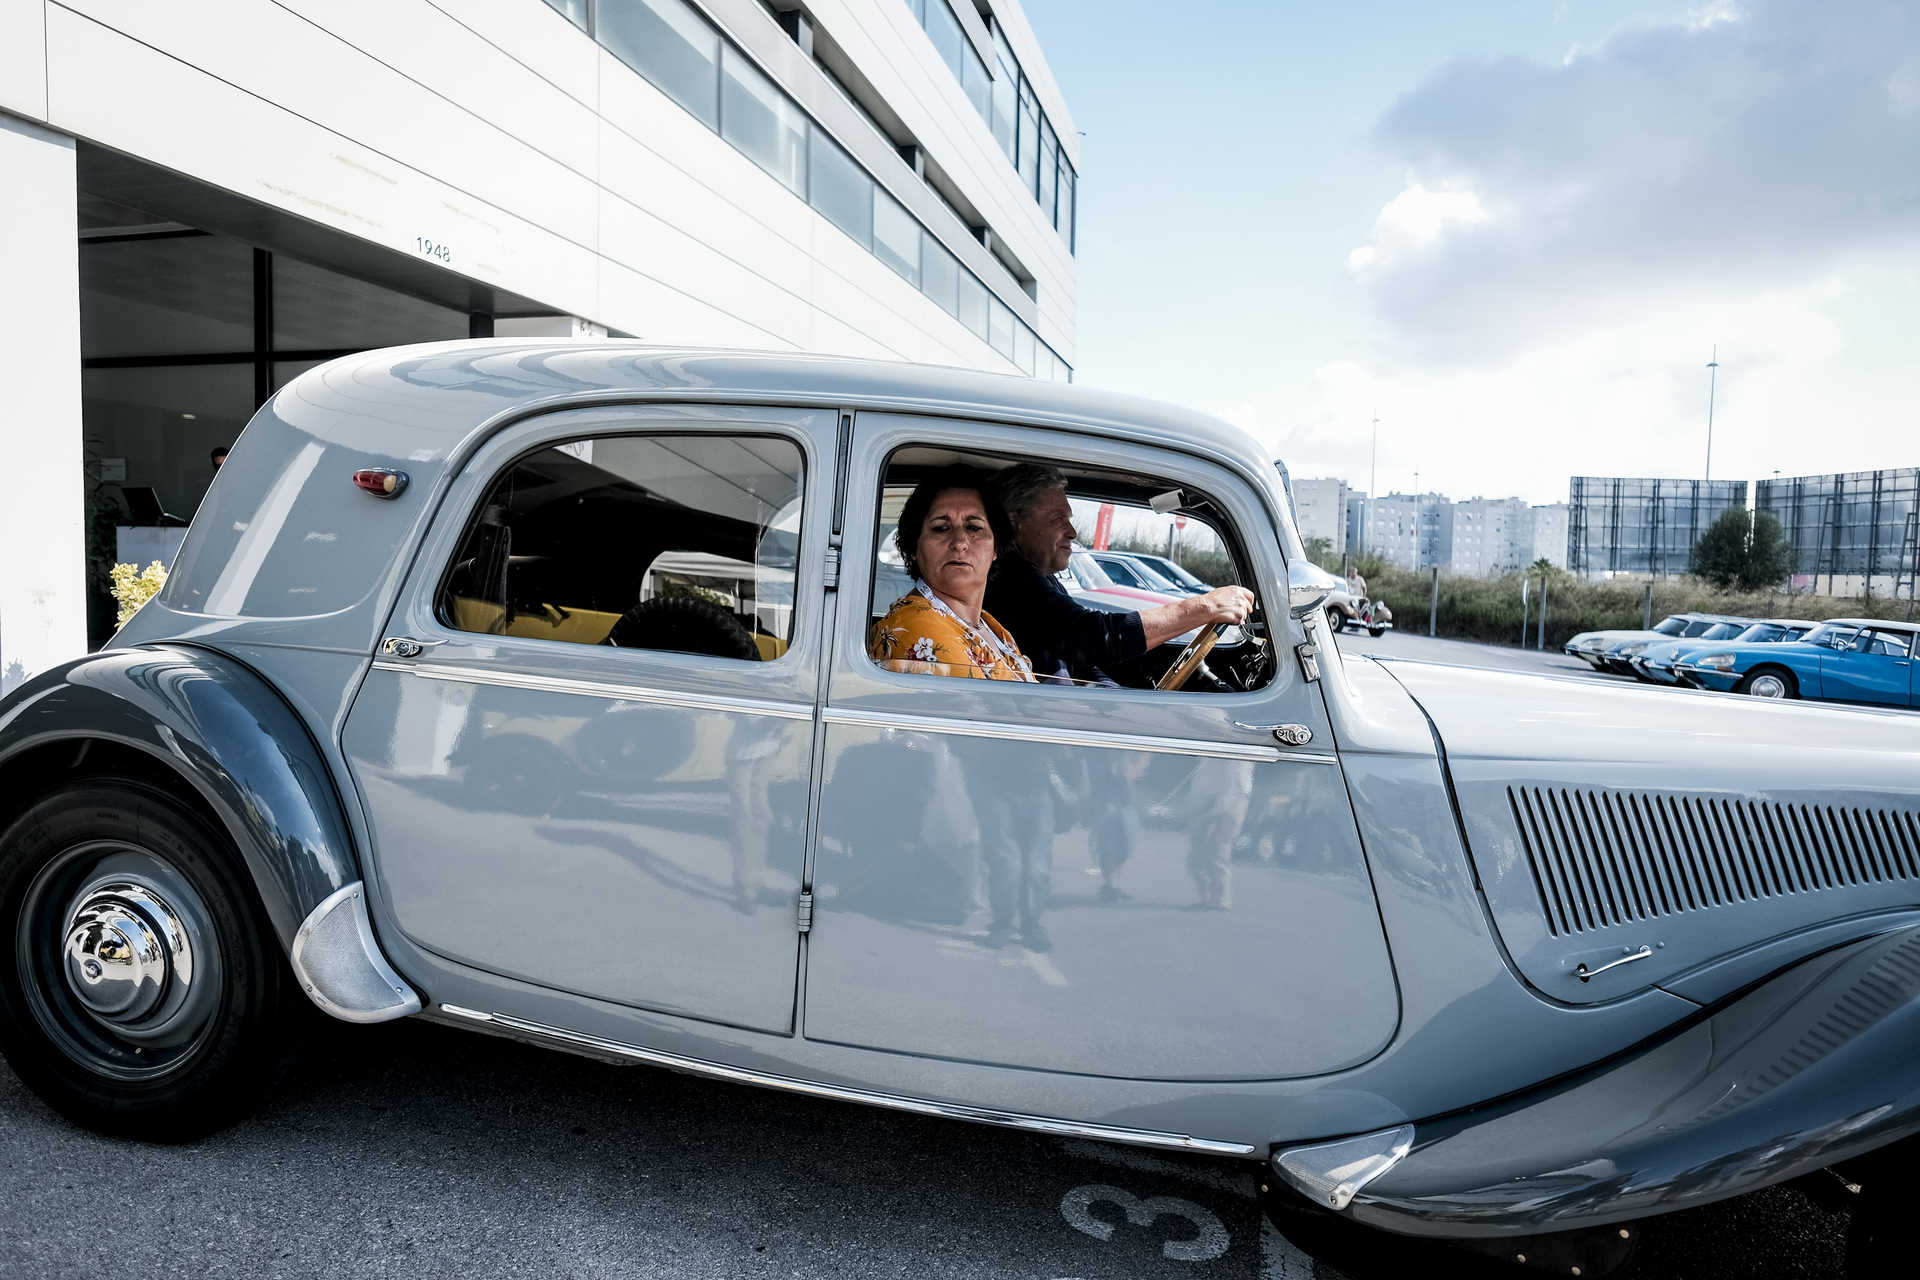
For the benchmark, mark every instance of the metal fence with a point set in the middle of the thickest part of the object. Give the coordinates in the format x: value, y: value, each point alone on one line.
x: 1622, y: 524
x: 1855, y: 529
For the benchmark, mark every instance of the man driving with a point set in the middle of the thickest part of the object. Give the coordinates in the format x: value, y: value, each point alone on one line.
x: 1062, y: 638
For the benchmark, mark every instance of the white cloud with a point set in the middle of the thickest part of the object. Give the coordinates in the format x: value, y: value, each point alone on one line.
x: 1743, y: 150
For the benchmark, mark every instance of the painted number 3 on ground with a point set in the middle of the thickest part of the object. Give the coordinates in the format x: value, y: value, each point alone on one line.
x: 1209, y: 1241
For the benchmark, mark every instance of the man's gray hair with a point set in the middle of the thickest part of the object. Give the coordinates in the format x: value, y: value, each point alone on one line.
x: 1021, y: 488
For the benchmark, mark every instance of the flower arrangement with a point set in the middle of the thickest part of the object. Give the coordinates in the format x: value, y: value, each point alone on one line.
x: 133, y: 587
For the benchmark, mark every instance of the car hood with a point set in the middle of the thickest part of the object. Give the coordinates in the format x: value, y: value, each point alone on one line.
x: 1717, y: 832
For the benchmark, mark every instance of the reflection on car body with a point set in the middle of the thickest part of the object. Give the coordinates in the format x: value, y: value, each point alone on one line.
x: 576, y: 738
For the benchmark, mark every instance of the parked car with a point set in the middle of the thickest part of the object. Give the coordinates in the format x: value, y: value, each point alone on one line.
x: 1655, y: 663
x: 1530, y: 955
x: 1344, y: 609
x: 1843, y: 660
x: 1129, y: 570
x: 1174, y: 572
x: 1609, y: 650
x: 1591, y: 646
x: 1724, y: 629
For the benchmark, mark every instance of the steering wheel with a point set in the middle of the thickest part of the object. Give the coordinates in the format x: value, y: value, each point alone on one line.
x: 1192, y: 656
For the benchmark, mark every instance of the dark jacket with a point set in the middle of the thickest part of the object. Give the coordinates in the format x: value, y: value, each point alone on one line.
x: 1059, y: 636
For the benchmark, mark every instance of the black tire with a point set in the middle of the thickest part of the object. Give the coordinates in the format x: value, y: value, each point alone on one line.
x: 1762, y: 681
x: 87, y: 870
x: 1376, y: 632
x: 1337, y: 620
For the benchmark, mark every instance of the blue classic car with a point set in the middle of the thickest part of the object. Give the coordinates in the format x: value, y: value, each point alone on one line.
x: 1592, y: 647
x: 529, y: 687
x: 1654, y: 663
x: 1617, y: 655
x: 1842, y: 660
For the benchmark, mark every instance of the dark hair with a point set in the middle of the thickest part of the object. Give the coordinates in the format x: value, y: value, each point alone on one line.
x: 218, y: 452
x: 914, y: 515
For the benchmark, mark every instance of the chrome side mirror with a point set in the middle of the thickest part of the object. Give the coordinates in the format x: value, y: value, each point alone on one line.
x: 1306, y: 591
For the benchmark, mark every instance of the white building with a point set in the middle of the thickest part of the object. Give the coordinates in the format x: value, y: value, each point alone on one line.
x: 1320, y: 511
x: 1491, y: 536
x: 198, y: 202
x: 1550, y: 534
x: 1412, y: 530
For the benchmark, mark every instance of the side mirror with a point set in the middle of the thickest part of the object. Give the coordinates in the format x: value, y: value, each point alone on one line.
x: 1307, y: 589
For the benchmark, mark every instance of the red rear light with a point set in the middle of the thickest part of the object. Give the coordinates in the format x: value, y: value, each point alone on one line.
x: 380, y: 482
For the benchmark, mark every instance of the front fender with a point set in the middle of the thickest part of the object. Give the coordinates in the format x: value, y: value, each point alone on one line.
x: 1809, y: 1068
x: 223, y: 732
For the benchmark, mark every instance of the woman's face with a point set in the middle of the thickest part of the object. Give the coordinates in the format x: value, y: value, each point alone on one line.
x: 955, y: 549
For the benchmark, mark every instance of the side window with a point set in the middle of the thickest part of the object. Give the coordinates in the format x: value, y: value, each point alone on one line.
x: 1888, y: 644
x: 1073, y: 617
x: 684, y: 543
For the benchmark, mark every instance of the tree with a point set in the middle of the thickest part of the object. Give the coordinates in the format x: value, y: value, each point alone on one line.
x: 1320, y: 551
x: 1743, y: 550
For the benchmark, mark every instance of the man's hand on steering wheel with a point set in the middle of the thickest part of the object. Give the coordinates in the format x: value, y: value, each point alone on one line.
x: 1226, y: 604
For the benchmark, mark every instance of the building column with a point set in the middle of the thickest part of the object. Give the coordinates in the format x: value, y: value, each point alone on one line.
x: 43, y: 598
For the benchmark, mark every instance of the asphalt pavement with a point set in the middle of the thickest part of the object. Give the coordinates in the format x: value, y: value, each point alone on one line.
x: 420, y: 1150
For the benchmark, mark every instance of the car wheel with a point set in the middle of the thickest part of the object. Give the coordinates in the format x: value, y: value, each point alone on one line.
x: 1769, y: 682
x: 1337, y: 620
x: 140, y: 995
x: 1376, y: 632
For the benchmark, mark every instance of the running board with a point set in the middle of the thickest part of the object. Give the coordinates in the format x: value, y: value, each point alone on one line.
x: 614, y: 1051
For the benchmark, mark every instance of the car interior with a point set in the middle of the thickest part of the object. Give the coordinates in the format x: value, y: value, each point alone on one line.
x: 1146, y: 511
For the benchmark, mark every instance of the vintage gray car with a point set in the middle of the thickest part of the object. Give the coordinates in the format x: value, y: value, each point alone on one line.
x: 525, y: 687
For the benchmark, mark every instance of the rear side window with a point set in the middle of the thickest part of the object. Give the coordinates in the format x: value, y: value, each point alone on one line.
x: 683, y: 543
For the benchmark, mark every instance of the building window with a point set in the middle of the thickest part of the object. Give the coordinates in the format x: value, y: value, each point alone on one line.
x: 840, y: 189
x: 575, y: 11
x: 671, y: 46
x: 896, y: 237
x: 940, y: 276
x: 757, y: 118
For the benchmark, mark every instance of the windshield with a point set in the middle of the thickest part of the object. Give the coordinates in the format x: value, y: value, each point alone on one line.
x: 1697, y: 629
x: 1832, y: 635
x: 1762, y: 633
x: 1674, y: 626
x: 1723, y: 630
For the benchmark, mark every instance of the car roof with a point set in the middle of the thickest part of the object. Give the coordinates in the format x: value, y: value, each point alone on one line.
x: 1883, y: 623
x: 282, y: 533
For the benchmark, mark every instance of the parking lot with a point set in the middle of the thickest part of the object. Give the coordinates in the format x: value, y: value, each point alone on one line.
x: 410, y: 1149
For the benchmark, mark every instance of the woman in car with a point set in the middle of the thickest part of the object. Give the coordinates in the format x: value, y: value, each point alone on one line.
x: 949, y: 535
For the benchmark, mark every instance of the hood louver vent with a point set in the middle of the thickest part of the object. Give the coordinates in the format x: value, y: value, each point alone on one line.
x: 1604, y: 858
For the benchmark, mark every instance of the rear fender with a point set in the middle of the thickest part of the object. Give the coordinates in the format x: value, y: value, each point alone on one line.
x: 212, y: 725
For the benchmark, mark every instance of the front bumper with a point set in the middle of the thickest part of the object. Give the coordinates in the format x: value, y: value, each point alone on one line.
x: 1707, y: 677
x: 1811, y: 1067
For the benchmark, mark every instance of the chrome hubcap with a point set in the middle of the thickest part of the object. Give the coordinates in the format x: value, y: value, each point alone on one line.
x: 129, y: 959
x: 1770, y: 687
x: 119, y: 958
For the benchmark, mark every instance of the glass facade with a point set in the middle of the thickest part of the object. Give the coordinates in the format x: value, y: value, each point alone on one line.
x: 1620, y: 524
x: 1011, y: 110
x: 674, y: 48
x: 1852, y: 524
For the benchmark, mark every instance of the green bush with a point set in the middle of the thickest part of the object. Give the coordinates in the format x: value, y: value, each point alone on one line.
x: 1488, y: 609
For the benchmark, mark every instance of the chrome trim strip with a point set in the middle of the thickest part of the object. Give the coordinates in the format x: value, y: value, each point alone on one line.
x: 601, y: 689
x: 1069, y: 738
x: 842, y: 1093
x: 363, y: 957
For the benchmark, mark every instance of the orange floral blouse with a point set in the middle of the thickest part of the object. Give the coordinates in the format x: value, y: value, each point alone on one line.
x: 919, y: 637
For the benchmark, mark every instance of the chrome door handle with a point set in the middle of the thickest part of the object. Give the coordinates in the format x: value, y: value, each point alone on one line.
x: 1287, y: 735
x: 406, y: 646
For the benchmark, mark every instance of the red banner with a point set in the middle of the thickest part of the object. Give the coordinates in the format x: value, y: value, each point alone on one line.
x: 1103, y: 526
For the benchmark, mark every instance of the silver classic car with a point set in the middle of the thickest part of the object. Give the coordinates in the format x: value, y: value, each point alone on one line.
x: 525, y: 687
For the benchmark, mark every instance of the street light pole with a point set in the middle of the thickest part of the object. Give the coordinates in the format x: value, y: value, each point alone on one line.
x: 1713, y: 377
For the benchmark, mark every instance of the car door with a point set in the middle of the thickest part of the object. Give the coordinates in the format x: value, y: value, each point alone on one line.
x: 586, y: 750
x: 1877, y: 668
x: 1164, y: 938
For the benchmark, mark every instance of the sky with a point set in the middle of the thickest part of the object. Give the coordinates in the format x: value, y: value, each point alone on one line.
x: 1515, y: 231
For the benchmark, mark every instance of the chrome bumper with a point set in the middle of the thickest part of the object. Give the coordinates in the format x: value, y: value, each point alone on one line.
x: 1814, y: 1066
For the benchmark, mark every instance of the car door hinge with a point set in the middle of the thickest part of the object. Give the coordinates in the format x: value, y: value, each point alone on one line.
x: 833, y: 568
x: 803, y: 914
x: 1309, y: 655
